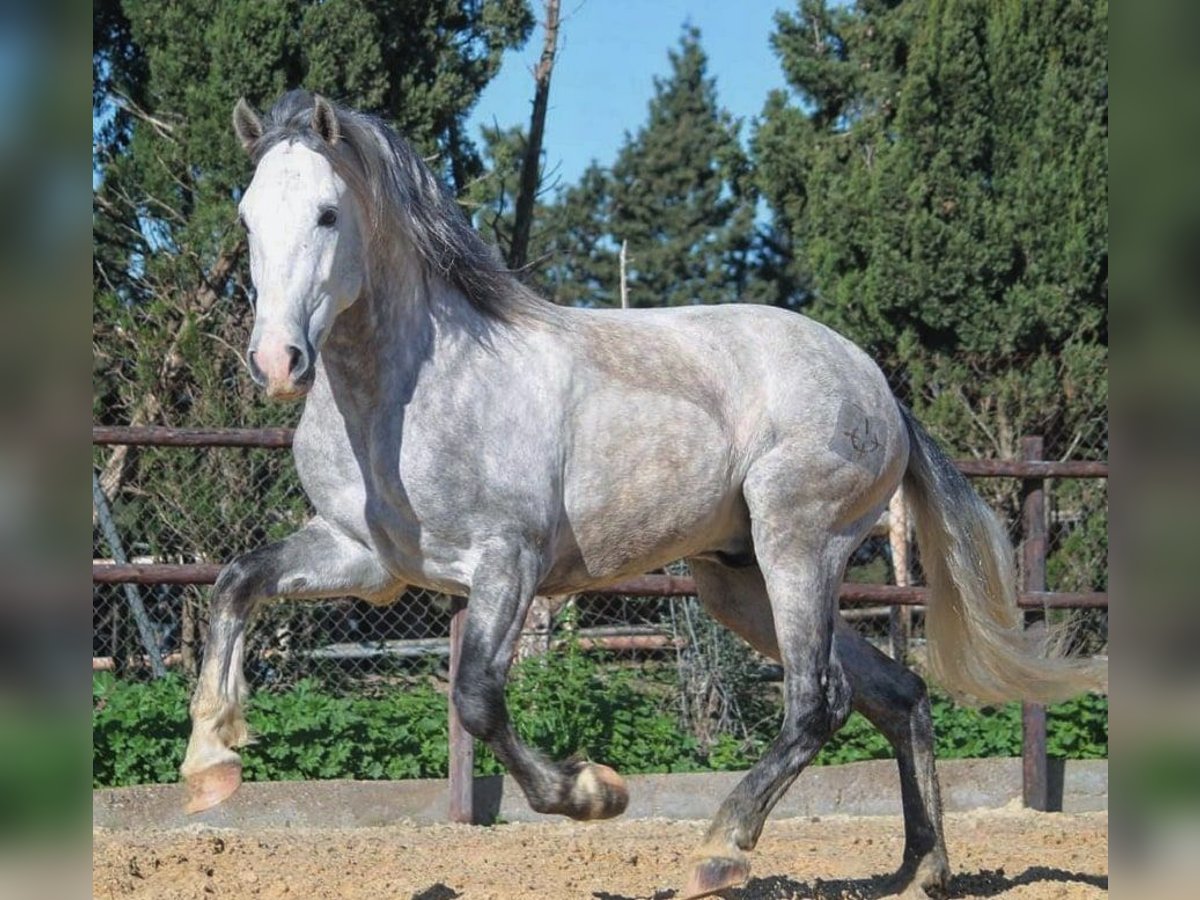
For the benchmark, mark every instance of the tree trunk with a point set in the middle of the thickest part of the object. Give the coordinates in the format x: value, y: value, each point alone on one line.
x: 530, y: 164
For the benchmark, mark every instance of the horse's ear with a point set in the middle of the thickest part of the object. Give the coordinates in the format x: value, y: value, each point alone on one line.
x: 246, y: 124
x: 325, y: 121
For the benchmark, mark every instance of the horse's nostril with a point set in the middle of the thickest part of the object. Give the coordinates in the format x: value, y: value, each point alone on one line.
x: 299, y: 361
x: 256, y: 373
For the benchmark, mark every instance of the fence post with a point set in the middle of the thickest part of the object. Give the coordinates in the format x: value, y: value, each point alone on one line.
x: 462, y: 744
x: 1034, y: 762
x: 132, y: 597
x: 899, y: 617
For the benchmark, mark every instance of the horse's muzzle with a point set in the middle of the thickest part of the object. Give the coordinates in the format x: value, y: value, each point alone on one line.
x: 284, y: 370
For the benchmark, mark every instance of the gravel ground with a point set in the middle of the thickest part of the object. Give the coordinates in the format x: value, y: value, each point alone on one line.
x: 1008, y: 853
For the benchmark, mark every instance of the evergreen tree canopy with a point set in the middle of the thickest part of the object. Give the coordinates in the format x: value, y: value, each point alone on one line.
x: 679, y: 194
x: 943, y: 183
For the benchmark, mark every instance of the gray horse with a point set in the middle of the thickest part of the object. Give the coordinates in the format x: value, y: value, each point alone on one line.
x: 463, y: 435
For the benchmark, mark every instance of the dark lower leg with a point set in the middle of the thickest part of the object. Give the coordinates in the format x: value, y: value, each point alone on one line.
x: 896, y: 702
x: 579, y: 789
x: 812, y: 715
x: 505, y: 584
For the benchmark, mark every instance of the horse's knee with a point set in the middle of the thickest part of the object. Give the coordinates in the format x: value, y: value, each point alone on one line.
x: 480, y: 705
x: 237, y: 583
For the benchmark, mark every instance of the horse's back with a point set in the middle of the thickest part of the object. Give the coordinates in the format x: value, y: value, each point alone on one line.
x: 762, y: 371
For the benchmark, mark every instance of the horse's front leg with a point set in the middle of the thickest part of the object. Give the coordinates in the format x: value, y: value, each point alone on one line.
x: 502, y: 588
x: 315, y: 562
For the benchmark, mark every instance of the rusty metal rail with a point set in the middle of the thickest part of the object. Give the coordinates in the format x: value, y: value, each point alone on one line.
x: 641, y: 586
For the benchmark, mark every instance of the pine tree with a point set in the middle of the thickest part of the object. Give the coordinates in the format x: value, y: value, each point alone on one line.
x: 943, y: 185
x: 679, y: 195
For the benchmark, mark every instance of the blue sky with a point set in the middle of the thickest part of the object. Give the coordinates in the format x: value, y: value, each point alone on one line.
x: 609, y: 53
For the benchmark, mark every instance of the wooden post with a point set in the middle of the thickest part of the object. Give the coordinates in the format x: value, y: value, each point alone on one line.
x: 899, y: 617
x: 1034, y: 762
x: 462, y: 745
x: 624, y: 284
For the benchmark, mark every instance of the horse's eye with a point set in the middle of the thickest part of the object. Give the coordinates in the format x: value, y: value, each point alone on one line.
x: 328, y: 218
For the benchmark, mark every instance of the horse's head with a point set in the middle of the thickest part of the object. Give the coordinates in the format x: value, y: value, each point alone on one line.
x: 306, y: 232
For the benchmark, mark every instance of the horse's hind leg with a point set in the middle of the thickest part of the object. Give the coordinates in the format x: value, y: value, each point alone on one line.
x: 502, y: 588
x: 896, y: 702
x: 892, y: 698
x: 801, y: 573
x: 314, y: 562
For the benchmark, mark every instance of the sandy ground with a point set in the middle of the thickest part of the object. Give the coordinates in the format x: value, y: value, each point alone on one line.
x: 1009, y: 853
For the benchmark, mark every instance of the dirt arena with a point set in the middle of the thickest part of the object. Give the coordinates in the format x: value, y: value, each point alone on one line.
x: 1009, y: 853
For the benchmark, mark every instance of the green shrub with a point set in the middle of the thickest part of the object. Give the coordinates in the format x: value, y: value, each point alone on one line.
x: 566, y: 704
x: 139, y: 730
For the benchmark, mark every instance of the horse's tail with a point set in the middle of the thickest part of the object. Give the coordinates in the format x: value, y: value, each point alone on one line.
x: 976, y: 643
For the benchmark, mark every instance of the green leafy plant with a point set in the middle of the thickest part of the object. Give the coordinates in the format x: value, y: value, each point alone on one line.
x: 567, y: 703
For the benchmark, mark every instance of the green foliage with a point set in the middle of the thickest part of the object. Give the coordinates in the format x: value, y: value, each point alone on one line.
x: 1078, y: 728
x: 944, y: 189
x: 939, y: 195
x: 305, y: 733
x: 679, y: 193
x: 139, y: 730
x: 566, y: 704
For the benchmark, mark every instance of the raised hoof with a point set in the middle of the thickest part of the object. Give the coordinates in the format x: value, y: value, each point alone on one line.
x: 212, y: 786
x: 715, y: 873
x: 598, y: 793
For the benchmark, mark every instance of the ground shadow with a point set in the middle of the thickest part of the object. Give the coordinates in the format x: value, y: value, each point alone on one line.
x: 437, y: 891
x: 989, y: 883
x: 985, y: 883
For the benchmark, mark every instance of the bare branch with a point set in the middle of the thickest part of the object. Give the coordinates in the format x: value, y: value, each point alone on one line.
x: 161, y: 127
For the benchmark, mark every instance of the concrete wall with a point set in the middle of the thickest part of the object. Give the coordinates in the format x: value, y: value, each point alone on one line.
x: 866, y: 788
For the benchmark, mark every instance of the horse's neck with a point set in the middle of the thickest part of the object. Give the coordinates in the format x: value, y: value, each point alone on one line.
x: 399, y: 330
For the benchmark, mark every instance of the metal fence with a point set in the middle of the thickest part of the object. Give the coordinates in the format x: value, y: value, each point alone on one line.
x: 178, y: 503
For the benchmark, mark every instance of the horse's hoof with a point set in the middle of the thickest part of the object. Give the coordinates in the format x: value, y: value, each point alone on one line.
x: 920, y: 879
x: 212, y: 786
x: 598, y: 793
x: 715, y: 873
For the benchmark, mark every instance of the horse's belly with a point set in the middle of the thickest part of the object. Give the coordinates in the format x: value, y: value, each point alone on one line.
x: 598, y: 552
x: 639, y: 497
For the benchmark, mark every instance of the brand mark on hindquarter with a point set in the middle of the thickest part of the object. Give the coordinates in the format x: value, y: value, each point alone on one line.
x: 858, y: 437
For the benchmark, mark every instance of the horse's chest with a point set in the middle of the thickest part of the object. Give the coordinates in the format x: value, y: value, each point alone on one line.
x: 412, y: 510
